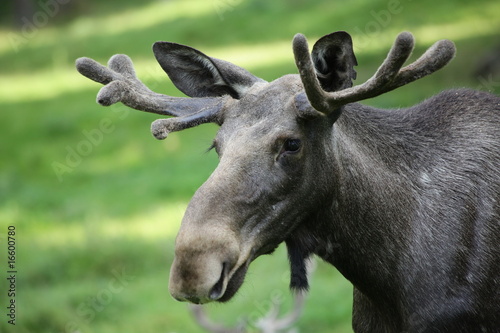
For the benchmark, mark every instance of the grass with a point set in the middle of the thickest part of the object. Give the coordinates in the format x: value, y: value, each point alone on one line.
x: 115, y: 209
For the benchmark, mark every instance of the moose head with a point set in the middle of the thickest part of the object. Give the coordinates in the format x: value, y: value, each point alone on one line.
x: 278, y: 145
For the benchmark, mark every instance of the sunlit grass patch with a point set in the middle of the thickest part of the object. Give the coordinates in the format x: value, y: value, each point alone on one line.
x: 141, y: 18
x: 110, y: 24
x: 159, y: 223
x: 54, y: 82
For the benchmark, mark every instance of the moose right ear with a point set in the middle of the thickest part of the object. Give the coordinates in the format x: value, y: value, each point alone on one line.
x: 198, y: 75
x: 334, y: 61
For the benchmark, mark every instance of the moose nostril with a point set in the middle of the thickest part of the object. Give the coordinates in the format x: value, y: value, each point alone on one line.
x: 216, y: 291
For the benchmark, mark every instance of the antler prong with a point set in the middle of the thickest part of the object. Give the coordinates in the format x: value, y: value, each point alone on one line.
x: 435, y: 58
x: 316, y: 95
x: 397, y: 56
x: 121, y: 63
x: 208, y: 114
x: 111, y: 93
x: 95, y: 71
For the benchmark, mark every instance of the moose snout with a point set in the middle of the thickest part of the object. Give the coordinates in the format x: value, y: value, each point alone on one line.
x: 202, y: 269
x: 201, y: 281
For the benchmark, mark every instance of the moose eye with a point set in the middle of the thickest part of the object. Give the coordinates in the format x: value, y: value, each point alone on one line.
x: 292, y: 145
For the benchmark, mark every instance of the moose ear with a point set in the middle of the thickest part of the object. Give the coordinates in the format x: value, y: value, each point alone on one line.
x: 334, y: 61
x: 198, y: 75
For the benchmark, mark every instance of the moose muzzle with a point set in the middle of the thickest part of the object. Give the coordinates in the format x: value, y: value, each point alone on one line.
x: 206, y: 258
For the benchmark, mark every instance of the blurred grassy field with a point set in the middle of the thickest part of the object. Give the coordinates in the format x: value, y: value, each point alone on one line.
x: 96, y: 201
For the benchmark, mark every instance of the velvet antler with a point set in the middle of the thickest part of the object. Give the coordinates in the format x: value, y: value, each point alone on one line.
x: 389, y: 76
x: 122, y: 85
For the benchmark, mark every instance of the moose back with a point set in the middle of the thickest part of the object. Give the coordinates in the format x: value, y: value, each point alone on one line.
x: 404, y: 203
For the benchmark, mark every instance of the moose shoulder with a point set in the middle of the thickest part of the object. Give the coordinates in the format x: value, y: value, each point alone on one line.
x: 404, y: 203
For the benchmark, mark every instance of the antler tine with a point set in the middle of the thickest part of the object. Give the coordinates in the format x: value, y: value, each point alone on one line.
x: 160, y: 128
x: 435, y: 58
x: 316, y: 95
x: 399, y: 53
x: 389, y: 75
x: 95, y: 71
x: 122, y: 64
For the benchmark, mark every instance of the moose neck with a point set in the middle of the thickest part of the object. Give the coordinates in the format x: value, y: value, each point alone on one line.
x: 361, y: 227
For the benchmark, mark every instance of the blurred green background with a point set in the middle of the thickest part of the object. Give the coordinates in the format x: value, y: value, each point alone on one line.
x: 96, y: 201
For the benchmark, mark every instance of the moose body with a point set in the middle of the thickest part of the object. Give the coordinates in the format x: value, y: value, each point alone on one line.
x: 405, y: 203
x: 412, y: 214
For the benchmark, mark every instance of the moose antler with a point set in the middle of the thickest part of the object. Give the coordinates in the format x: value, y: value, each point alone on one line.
x: 122, y: 85
x: 389, y: 75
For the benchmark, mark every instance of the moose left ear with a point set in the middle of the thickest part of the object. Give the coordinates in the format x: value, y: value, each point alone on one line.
x: 198, y: 75
x: 334, y: 61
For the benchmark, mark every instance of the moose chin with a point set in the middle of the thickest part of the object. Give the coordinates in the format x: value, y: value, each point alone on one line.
x: 405, y: 203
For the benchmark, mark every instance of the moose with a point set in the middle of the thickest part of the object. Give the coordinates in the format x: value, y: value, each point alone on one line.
x: 405, y: 203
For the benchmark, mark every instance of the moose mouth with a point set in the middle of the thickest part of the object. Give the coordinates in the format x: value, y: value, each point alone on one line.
x: 237, y: 279
x: 233, y: 285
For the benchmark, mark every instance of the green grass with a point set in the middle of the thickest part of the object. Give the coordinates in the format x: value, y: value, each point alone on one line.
x: 118, y: 206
